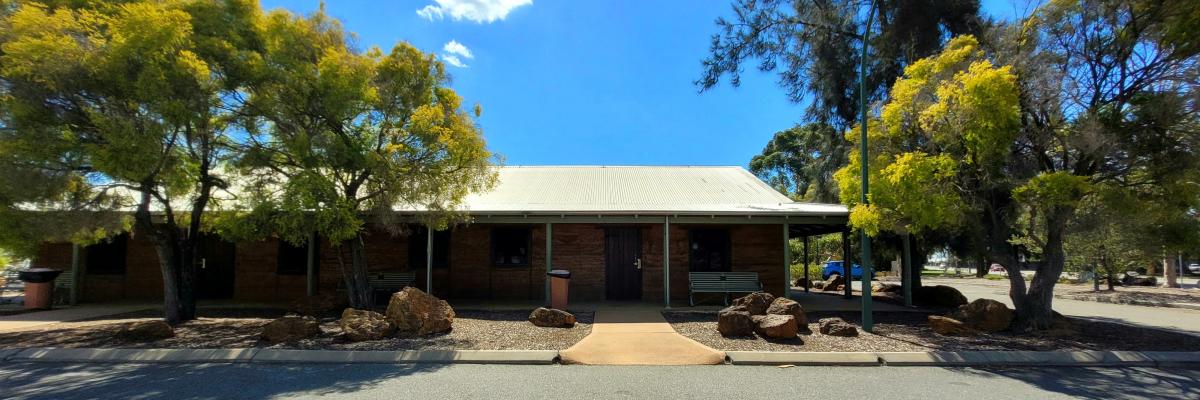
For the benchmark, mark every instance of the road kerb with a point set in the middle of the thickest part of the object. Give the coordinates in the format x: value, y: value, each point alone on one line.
x: 971, y: 358
x: 802, y: 358
x: 408, y: 356
x: 135, y: 355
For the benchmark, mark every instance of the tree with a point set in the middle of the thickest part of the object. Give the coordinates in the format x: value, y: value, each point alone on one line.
x: 122, y: 106
x: 343, y: 138
x: 792, y: 163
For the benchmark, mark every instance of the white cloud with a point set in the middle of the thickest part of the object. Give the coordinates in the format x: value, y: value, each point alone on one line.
x: 454, y: 47
x: 453, y: 60
x: 479, y: 11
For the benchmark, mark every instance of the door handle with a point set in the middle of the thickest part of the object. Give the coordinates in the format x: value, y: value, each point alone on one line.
x: 203, y: 263
x: 637, y: 263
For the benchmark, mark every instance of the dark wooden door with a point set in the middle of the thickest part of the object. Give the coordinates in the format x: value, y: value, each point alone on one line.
x: 214, y: 274
x: 622, y: 263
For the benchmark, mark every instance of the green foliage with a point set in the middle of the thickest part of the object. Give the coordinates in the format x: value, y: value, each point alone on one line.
x: 1053, y: 189
x: 343, y: 136
x: 796, y: 161
x: 951, y: 112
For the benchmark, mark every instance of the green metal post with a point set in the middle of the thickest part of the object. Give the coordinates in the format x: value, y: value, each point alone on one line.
x: 906, y: 271
x: 549, y: 254
x: 310, y: 283
x: 75, y: 275
x: 868, y: 322
x: 806, y: 282
x: 787, y: 262
x: 667, y: 262
x: 429, y: 259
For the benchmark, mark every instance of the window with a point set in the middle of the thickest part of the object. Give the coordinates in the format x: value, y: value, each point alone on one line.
x: 293, y: 259
x: 709, y: 250
x: 417, y: 246
x: 510, y: 247
x: 108, y: 257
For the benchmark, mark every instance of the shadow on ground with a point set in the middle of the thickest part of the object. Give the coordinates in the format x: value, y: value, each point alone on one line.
x: 1105, y: 383
x: 194, y: 381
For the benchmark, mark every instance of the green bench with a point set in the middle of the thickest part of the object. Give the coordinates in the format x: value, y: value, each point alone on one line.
x: 722, y: 282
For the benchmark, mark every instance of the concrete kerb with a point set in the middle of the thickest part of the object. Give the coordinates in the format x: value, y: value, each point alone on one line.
x: 971, y: 358
x: 256, y: 355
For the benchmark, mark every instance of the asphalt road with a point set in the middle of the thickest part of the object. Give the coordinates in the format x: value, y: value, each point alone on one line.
x: 1160, y: 317
x: 370, y: 381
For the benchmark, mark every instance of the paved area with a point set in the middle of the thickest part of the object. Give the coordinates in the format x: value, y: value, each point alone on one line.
x: 383, y: 381
x: 39, y: 319
x: 1160, y: 317
x: 637, y: 335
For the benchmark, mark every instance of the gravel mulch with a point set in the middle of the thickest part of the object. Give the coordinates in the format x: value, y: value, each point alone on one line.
x: 241, y: 327
x: 907, y: 331
x: 1135, y: 295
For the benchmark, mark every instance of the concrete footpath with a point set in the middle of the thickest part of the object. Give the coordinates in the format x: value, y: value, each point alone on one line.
x: 38, y: 319
x: 637, y: 336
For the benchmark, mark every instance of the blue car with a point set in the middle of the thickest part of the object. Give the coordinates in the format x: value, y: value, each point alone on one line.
x: 835, y: 268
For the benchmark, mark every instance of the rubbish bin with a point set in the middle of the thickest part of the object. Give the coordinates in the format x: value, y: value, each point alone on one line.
x: 559, y: 280
x: 39, y: 287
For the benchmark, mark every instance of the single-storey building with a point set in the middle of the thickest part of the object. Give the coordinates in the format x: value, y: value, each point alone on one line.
x: 624, y: 233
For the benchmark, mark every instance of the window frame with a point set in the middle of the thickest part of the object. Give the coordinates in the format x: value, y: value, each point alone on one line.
x: 279, y: 270
x: 118, y: 243
x: 727, y: 252
x: 527, y: 235
x: 417, y: 245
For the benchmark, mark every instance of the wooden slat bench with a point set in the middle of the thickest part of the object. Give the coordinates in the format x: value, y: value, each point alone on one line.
x: 722, y: 282
x: 389, y: 282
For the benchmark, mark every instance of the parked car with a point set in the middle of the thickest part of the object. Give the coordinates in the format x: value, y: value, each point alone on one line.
x: 1194, y: 268
x: 998, y: 270
x: 835, y: 268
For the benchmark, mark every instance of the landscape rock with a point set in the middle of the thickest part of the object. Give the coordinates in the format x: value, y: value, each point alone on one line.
x: 880, y: 287
x: 834, y: 283
x: 775, y: 326
x: 837, y: 327
x: 786, y: 306
x: 938, y: 296
x: 818, y: 285
x: 735, y: 321
x: 291, y: 328
x: 415, y: 312
x: 146, y: 331
x: 319, y: 305
x: 361, y: 325
x: 950, y: 326
x: 985, y: 315
x: 552, y: 318
x: 801, y: 283
x: 755, y: 303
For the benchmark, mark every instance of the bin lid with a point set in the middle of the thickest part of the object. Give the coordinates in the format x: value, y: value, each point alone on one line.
x: 559, y: 273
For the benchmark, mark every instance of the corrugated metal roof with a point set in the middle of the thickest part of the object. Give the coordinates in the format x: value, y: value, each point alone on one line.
x: 634, y: 189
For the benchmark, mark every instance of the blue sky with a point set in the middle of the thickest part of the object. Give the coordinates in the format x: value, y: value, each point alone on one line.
x: 586, y: 82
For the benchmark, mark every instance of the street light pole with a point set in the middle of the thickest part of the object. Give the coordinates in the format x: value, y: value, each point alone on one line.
x: 868, y: 322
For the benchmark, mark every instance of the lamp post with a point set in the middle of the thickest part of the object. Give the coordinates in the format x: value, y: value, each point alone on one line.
x: 868, y: 322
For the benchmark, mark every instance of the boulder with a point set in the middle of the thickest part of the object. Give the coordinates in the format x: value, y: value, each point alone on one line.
x: 938, y: 296
x: 360, y: 325
x: 552, y: 318
x: 985, y: 315
x: 880, y: 287
x: 802, y: 283
x: 319, y: 305
x: 818, y: 285
x: 734, y: 321
x: 834, y: 283
x: 755, y: 303
x: 775, y: 326
x: 785, y: 306
x: 291, y: 328
x: 837, y: 327
x: 146, y: 331
x: 949, y: 326
x: 415, y: 312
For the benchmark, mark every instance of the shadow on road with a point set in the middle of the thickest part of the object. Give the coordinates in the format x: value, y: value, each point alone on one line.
x: 1104, y: 383
x: 195, y: 381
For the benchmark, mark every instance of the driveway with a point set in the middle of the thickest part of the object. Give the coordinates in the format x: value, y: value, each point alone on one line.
x: 385, y: 381
x: 1159, y: 317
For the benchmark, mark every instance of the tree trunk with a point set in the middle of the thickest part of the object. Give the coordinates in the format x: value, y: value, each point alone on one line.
x: 1170, y: 271
x: 189, y: 254
x: 355, y: 277
x: 1038, y: 312
x: 981, y: 266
